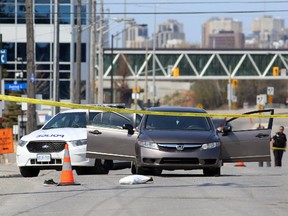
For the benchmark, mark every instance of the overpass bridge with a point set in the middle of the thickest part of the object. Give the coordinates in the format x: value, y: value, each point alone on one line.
x: 196, y: 64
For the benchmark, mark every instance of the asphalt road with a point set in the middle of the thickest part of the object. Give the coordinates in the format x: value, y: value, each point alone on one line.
x: 249, y: 190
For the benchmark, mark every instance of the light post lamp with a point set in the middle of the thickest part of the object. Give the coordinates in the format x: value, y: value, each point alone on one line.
x: 112, y: 53
x: 21, y: 75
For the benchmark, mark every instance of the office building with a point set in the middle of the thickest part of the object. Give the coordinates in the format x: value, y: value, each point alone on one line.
x: 216, y: 25
x: 13, y: 30
x: 268, y: 31
x: 136, y: 36
x: 226, y: 40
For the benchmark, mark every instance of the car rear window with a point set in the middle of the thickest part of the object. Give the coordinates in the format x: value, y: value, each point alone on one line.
x: 155, y: 122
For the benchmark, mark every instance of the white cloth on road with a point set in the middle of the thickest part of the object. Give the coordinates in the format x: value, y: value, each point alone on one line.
x: 135, y: 179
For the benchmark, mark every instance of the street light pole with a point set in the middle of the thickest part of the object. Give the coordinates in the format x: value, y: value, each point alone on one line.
x: 21, y: 75
x: 112, y: 52
x: 112, y: 69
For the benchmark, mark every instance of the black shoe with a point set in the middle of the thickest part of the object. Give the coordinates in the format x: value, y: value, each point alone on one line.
x: 49, y: 182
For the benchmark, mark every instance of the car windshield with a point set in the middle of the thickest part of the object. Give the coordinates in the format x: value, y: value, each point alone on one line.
x: 155, y: 122
x: 63, y: 120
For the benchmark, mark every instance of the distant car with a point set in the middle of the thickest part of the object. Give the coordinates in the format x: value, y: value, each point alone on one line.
x: 44, y: 148
x: 172, y: 142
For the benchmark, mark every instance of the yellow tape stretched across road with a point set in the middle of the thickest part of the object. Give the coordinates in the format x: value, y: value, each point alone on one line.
x: 278, y: 148
x: 103, y: 108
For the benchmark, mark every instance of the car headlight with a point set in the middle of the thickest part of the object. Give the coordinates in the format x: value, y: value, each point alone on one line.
x: 22, y: 142
x: 210, y: 145
x: 78, y: 142
x: 148, y: 144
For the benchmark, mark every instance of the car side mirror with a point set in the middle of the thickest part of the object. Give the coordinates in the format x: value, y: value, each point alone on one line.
x: 128, y: 127
x: 226, y: 129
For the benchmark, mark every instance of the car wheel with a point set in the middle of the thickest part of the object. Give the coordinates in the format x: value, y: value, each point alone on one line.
x: 212, y: 171
x: 107, y: 166
x: 133, y: 168
x: 103, y: 166
x: 29, y: 171
x: 81, y: 171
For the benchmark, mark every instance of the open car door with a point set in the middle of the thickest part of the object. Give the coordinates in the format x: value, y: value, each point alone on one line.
x: 111, y: 136
x: 247, y: 139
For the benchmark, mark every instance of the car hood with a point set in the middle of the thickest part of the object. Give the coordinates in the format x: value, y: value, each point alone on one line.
x: 159, y: 136
x: 66, y: 134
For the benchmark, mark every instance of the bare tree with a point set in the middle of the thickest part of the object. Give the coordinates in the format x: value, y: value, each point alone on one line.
x: 122, y: 88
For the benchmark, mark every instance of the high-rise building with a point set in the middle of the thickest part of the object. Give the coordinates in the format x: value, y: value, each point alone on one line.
x: 216, y: 25
x: 267, y: 30
x: 226, y: 40
x: 136, y: 36
x: 170, y: 33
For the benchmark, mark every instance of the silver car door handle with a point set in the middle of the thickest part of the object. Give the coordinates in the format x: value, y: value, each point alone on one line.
x: 95, y: 132
x: 260, y: 135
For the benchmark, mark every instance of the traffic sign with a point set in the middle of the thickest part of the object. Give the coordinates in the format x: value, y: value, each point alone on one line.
x: 16, y: 86
x: 261, y: 99
x: 270, y: 90
x: 3, y: 56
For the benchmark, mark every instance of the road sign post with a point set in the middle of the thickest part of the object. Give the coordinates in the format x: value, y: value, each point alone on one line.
x: 270, y: 93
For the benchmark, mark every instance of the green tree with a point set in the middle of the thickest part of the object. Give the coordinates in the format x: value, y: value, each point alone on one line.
x: 11, y: 112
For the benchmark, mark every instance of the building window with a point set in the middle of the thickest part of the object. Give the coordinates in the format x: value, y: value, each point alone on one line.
x: 21, y: 10
x: 83, y: 15
x: 42, y: 51
x: 42, y: 14
x: 10, y: 51
x: 42, y: 1
x: 64, y: 15
x: 21, y: 50
x: 64, y: 52
x: 64, y: 87
x: 64, y: 1
x: 7, y: 13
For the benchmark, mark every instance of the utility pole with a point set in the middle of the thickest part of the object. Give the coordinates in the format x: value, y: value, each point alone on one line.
x: 0, y: 66
x: 91, y: 89
x: 77, y: 89
x: 31, y: 108
x: 56, y: 109
x: 146, y: 73
x: 100, y: 74
x: 153, y: 62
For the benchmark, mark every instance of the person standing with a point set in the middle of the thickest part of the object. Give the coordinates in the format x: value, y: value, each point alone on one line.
x: 279, y: 142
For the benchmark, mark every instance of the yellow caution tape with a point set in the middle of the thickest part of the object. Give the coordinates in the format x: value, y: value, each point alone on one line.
x: 109, y: 109
x: 278, y: 148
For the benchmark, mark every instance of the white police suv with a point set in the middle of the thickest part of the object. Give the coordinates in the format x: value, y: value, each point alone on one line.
x: 44, y: 148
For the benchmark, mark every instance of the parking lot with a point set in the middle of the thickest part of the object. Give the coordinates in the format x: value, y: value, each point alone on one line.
x: 249, y: 190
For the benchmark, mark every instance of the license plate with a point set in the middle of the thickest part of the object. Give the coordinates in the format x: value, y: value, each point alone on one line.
x: 43, y: 158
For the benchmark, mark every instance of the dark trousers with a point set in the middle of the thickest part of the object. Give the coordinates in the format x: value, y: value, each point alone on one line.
x: 278, y: 157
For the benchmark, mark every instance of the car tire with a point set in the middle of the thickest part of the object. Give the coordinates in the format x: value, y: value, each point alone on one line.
x: 136, y: 170
x: 82, y: 171
x: 107, y: 166
x: 29, y: 171
x: 133, y: 168
x: 212, y: 171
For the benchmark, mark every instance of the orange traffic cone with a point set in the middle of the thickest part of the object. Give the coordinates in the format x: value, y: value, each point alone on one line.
x: 240, y: 164
x: 67, y: 174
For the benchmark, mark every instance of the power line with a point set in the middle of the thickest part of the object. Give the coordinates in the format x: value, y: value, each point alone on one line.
x: 198, y: 12
x: 197, y: 2
x: 179, y: 13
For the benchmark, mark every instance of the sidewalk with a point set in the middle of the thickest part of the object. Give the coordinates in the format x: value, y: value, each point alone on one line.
x: 8, y: 167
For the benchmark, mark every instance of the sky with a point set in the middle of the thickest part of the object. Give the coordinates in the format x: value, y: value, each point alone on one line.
x: 193, y: 13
